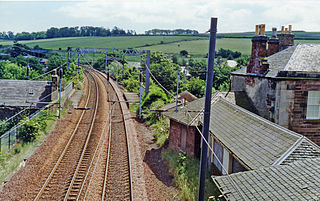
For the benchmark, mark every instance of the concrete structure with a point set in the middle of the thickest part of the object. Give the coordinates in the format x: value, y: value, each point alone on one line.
x: 283, y: 87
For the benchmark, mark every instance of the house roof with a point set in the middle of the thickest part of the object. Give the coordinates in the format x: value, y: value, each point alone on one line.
x: 255, y: 141
x: 299, y: 180
x: 189, y: 113
x: 303, y: 58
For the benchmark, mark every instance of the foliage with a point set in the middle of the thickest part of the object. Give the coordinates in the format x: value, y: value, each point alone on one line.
x: 12, y: 71
x: 171, y: 32
x: 197, y: 68
x: 228, y: 54
x: 222, y: 76
x: 32, y: 128
x: 185, y: 170
x: 18, y: 49
x: 196, y: 86
x: 184, y: 53
x: 242, y: 61
x: 4, y: 125
x: 164, y: 70
x: 161, y: 130
x: 33, y: 62
x: 54, y: 62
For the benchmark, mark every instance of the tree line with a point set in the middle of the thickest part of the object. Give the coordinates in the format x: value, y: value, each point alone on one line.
x: 171, y: 32
x: 54, y: 32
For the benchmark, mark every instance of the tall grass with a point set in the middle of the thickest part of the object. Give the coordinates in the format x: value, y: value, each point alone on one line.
x: 185, y: 170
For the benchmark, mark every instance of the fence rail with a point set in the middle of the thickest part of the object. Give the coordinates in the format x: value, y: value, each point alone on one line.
x: 10, y: 138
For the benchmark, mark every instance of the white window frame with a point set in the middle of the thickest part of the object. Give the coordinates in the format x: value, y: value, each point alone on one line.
x: 313, y: 105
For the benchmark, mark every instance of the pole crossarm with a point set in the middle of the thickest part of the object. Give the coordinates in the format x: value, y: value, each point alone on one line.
x: 115, y: 51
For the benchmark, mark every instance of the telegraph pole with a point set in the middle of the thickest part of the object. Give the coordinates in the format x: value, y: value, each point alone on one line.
x: 60, y: 79
x: 207, y: 109
x: 177, y: 91
x: 140, y: 80
x: 147, y: 72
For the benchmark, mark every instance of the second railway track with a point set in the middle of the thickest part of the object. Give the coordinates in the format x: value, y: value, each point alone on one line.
x: 95, y: 163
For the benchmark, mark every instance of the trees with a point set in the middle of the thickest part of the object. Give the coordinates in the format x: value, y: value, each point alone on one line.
x: 54, y: 62
x: 184, y: 53
x: 12, y: 71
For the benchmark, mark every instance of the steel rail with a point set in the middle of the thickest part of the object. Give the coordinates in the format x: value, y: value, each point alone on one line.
x: 126, y: 134
x: 63, y: 152
x: 84, y: 150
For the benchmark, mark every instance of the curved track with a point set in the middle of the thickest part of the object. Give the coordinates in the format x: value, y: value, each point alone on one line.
x: 95, y: 162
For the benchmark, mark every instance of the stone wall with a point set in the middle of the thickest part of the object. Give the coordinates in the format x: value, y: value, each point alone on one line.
x: 298, y: 110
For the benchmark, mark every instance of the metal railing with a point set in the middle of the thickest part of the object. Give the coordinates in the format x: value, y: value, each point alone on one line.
x: 11, y: 137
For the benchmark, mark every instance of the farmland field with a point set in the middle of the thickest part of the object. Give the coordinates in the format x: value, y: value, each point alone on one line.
x: 200, y: 47
x: 104, y: 42
x: 196, y: 46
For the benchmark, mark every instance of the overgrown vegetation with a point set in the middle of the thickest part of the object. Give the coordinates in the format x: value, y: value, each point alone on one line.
x: 186, y: 176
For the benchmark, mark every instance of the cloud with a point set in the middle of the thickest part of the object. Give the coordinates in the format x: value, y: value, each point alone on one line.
x: 233, y: 15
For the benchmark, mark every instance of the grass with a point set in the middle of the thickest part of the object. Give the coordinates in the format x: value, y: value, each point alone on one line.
x: 186, y: 176
x: 199, y: 48
x: 103, y: 42
x: 14, y: 158
x: 195, y: 45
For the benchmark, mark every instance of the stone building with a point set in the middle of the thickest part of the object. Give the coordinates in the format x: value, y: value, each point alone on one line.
x: 240, y: 139
x: 282, y: 83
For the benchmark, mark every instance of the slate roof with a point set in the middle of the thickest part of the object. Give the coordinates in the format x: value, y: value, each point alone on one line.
x: 298, y: 58
x: 189, y: 113
x: 299, y: 180
x: 21, y: 93
x: 255, y: 141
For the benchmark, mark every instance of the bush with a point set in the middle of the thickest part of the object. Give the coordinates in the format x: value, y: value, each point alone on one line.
x: 17, y: 149
x: 185, y: 170
x: 184, y: 53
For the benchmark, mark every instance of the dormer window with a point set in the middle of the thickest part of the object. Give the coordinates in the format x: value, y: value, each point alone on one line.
x: 313, y: 106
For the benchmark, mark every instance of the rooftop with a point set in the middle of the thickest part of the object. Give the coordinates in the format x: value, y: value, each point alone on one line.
x: 255, y: 141
x: 299, y: 180
x: 302, y: 58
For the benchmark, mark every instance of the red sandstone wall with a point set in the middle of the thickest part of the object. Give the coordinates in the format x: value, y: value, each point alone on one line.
x: 298, y: 121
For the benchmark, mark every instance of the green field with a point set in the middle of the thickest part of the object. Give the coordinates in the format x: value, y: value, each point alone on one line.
x: 200, y: 47
x: 196, y: 46
x: 104, y: 42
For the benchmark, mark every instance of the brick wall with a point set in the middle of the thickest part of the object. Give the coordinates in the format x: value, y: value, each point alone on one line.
x: 175, y: 137
x: 298, y: 121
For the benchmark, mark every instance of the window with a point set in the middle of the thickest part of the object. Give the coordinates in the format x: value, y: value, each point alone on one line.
x: 313, y: 106
x: 218, y: 150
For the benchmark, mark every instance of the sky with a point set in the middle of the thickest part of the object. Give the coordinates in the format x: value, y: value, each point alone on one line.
x: 142, y: 15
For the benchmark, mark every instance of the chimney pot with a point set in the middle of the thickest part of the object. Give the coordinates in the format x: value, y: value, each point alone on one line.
x: 286, y: 30
x: 290, y: 28
x: 282, y: 29
x: 274, y: 32
x: 257, y: 30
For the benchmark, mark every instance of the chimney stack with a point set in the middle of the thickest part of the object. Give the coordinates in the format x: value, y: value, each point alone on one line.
x: 258, y: 64
x: 273, y: 43
x: 54, y: 81
x: 286, y: 38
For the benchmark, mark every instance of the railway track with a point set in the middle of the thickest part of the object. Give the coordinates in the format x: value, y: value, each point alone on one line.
x: 95, y: 163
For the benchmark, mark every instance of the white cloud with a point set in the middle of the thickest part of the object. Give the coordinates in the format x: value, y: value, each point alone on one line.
x: 232, y: 15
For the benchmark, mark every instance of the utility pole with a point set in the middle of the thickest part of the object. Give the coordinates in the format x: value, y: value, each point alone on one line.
x: 60, y: 79
x: 147, y: 72
x: 78, y: 60
x: 177, y: 91
x: 207, y: 109
x: 68, y: 58
x: 140, y: 80
x: 122, y: 67
x: 108, y: 73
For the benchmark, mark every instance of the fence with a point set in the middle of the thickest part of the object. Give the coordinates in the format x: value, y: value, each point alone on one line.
x: 9, y: 138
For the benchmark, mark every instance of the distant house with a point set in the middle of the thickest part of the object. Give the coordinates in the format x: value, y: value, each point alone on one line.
x: 299, y: 180
x: 282, y: 84
x: 240, y: 139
